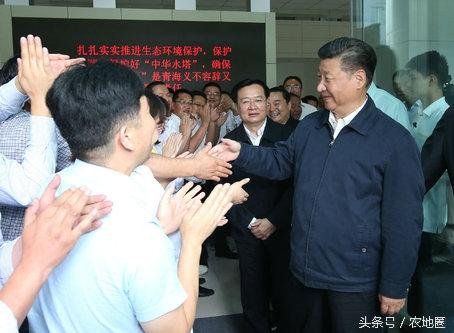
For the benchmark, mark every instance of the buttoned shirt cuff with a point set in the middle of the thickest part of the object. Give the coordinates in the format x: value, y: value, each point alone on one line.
x: 6, y: 262
x: 393, y: 290
x: 252, y: 222
x: 8, y: 323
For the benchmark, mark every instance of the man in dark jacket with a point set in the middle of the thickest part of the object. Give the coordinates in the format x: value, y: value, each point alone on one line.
x: 261, y: 225
x: 357, y: 206
x: 438, y: 151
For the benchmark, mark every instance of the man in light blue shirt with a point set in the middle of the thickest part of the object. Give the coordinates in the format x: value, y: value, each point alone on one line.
x: 390, y: 105
x: 123, y: 276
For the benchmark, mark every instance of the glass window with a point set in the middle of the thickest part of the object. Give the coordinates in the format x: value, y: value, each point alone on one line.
x: 414, y: 42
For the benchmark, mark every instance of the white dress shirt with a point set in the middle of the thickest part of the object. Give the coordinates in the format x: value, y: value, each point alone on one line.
x: 414, y: 112
x: 307, y: 109
x: 338, y: 124
x: 390, y: 105
x: 255, y: 139
x: 435, y: 203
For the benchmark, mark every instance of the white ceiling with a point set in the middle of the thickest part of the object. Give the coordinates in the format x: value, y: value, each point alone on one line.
x: 283, y: 8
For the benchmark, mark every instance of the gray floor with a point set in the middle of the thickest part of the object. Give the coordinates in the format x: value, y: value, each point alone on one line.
x: 224, y: 277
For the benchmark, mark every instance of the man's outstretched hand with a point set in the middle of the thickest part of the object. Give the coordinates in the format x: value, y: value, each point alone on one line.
x: 227, y: 150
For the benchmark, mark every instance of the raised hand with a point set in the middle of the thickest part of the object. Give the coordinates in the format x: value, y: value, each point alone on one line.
x: 35, y: 73
x: 61, y: 62
x: 98, y: 202
x: 214, y: 114
x: 173, y: 207
x: 227, y: 150
x: 222, y: 119
x: 209, y: 167
x: 51, y: 233
x: 186, y: 125
x: 201, y: 220
x: 205, y: 115
x: 227, y: 104
x: 172, y: 146
x: 237, y: 194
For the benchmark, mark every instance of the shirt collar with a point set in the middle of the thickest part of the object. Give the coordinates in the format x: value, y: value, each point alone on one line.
x: 259, y: 131
x: 98, y: 172
x: 347, y: 119
x: 435, y: 106
x: 361, y: 123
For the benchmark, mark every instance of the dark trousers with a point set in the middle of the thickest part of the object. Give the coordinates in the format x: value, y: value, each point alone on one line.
x: 325, y: 311
x: 264, y: 276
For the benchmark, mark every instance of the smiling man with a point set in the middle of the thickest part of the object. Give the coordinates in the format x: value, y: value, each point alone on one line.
x: 279, y: 110
x: 357, y: 208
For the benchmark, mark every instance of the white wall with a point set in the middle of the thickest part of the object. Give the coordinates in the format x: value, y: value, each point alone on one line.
x: 297, y: 43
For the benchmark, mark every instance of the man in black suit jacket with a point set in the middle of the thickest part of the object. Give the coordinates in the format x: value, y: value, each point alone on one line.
x: 438, y: 151
x: 260, y: 226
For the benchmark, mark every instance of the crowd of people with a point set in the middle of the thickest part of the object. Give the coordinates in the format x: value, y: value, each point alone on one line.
x: 333, y: 202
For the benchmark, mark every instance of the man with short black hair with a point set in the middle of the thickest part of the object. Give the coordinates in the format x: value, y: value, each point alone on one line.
x: 279, y: 110
x: 223, y: 119
x: 179, y: 121
x: 260, y: 226
x: 357, y: 209
x: 294, y: 85
x: 123, y: 276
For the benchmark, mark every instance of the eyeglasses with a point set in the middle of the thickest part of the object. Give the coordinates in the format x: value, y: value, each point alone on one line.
x: 199, y: 105
x: 210, y: 93
x: 184, y: 102
x: 252, y: 101
x: 292, y: 86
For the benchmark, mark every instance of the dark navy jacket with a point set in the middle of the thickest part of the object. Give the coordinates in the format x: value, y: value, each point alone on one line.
x: 357, y: 206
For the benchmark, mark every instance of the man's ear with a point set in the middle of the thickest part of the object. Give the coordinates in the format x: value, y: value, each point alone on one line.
x: 125, y: 138
x: 433, y: 80
x: 360, y: 78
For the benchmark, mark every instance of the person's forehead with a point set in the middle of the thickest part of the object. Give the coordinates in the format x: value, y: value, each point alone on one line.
x: 212, y: 88
x: 251, y: 91
x: 274, y: 95
x: 184, y: 96
x: 199, y: 99
x: 330, y: 65
x: 160, y: 88
x: 291, y: 81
